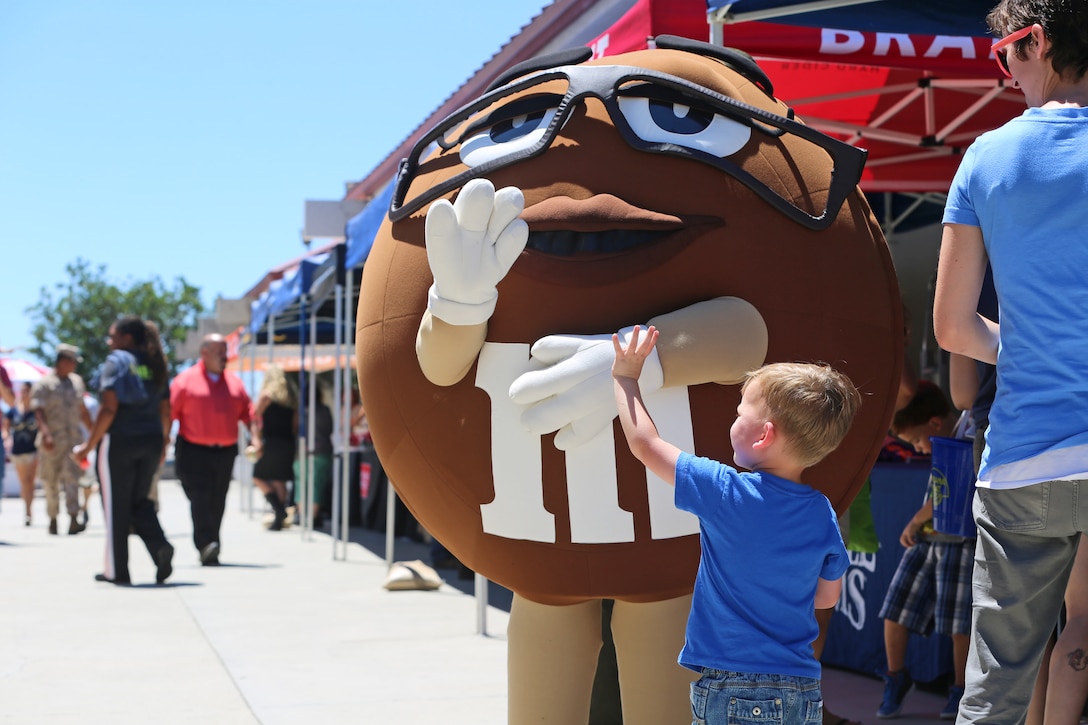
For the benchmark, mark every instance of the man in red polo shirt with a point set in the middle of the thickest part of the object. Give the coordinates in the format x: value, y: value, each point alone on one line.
x: 208, y: 403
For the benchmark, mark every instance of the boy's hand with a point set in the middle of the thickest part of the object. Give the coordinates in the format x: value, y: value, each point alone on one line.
x: 629, y: 358
x: 909, y: 537
x: 569, y: 387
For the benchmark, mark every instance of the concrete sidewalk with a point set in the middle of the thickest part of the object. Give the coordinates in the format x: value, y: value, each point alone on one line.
x: 281, y: 633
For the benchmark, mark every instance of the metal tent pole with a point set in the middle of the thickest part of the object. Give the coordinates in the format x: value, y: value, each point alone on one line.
x: 341, y: 412
x: 481, y: 603
x: 348, y: 369
x: 345, y: 462
x: 390, y: 510
x: 252, y: 387
x: 300, y: 483
x: 307, y: 502
x: 337, y: 411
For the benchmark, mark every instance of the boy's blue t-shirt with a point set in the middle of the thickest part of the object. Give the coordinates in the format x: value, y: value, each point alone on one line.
x: 765, y: 541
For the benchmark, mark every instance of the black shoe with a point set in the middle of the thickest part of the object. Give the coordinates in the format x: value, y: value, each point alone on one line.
x: 164, y: 563
x: 75, y: 527
x: 107, y: 580
x: 53, y: 527
x: 277, y: 522
x: 209, y: 554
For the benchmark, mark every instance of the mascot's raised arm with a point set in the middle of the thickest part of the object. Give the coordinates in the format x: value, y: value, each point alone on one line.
x: 665, y: 187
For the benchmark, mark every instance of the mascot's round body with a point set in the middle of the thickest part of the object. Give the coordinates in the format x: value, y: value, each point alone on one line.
x: 644, y: 204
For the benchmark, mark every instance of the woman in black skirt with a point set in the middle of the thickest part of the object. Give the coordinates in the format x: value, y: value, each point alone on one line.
x: 274, y: 431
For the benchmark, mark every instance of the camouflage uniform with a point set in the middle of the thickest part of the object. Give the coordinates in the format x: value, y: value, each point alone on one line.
x: 60, y: 400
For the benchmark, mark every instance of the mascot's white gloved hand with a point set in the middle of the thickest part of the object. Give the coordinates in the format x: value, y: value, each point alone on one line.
x: 572, y: 392
x: 471, y: 245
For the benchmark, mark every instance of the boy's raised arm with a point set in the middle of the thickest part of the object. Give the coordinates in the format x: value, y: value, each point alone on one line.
x: 646, y: 444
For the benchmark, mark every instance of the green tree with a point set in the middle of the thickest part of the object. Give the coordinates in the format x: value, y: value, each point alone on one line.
x: 80, y: 310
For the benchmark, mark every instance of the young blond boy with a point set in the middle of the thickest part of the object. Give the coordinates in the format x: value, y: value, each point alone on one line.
x: 771, y: 548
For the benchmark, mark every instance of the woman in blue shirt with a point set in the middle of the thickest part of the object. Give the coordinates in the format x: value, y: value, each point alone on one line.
x: 1017, y: 203
x: 133, y: 426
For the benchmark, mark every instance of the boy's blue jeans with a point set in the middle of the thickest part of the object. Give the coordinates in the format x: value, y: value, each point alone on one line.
x: 720, y: 697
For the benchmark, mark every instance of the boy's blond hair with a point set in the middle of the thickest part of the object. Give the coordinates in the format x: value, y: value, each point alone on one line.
x: 812, y: 405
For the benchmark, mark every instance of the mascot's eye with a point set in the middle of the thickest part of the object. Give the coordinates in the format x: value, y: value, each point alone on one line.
x: 514, y: 128
x: 660, y: 121
x: 505, y: 135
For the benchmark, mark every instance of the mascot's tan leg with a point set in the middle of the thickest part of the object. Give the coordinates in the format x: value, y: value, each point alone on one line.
x: 654, y: 689
x: 551, y: 661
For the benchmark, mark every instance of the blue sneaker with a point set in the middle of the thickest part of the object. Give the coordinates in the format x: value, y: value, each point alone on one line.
x: 952, y: 709
x: 896, y: 687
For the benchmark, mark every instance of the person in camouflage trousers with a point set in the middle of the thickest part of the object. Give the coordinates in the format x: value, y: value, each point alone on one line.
x: 57, y: 400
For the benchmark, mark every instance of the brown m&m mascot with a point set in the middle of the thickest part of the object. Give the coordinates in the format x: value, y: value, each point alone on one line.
x: 665, y: 187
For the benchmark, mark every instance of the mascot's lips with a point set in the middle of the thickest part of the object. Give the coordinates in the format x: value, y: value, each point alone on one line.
x: 602, y: 224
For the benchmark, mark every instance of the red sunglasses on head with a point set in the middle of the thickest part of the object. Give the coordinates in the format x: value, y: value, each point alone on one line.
x: 1001, y: 47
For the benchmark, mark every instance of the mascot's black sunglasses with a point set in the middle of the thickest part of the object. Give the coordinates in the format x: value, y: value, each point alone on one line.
x: 609, y: 84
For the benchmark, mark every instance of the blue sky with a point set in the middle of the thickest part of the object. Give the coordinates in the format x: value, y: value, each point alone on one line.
x: 182, y: 139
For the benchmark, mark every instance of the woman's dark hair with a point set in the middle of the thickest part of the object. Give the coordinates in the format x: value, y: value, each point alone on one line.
x: 145, y: 338
x: 1065, y: 23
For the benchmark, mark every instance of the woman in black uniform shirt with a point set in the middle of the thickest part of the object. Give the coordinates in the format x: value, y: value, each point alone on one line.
x: 133, y: 435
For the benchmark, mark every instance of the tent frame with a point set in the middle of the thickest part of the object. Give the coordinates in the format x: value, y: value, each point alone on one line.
x: 934, y: 141
x: 719, y: 17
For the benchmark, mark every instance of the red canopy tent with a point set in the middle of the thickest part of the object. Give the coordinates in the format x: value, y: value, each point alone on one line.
x: 23, y: 371
x: 914, y: 101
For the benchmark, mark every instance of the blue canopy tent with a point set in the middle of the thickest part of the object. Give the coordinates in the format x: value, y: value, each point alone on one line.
x: 297, y: 290
x: 361, y: 231
x: 297, y: 284
x: 291, y: 306
x: 314, y: 304
x: 338, y: 277
x: 284, y: 307
x: 363, y: 227
x: 283, y: 295
x: 261, y: 308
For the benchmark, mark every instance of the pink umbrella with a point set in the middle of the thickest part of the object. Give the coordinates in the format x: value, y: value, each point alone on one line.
x: 23, y: 371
